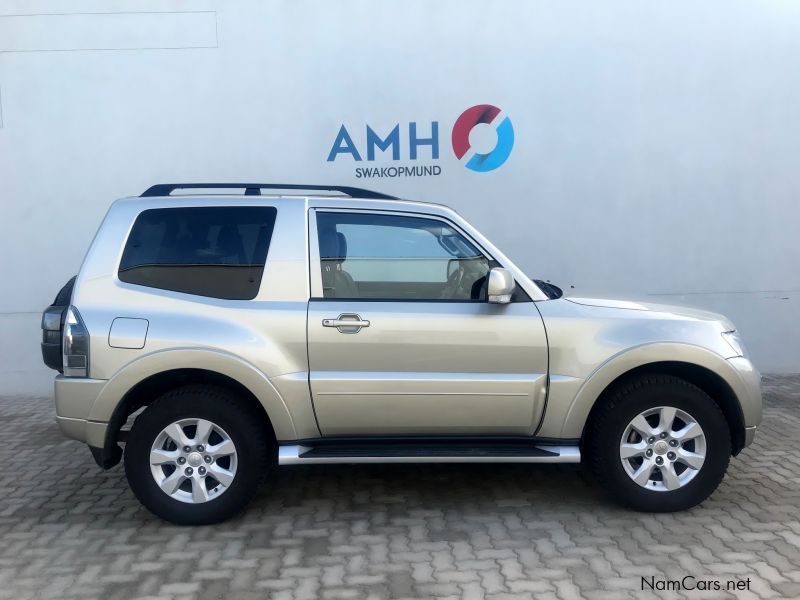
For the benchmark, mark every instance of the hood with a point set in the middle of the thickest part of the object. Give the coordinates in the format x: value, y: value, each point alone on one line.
x: 676, y: 310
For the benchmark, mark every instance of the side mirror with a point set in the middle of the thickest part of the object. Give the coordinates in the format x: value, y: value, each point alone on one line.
x: 501, y: 286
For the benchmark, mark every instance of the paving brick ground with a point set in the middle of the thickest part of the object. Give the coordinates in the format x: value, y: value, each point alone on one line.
x: 69, y: 530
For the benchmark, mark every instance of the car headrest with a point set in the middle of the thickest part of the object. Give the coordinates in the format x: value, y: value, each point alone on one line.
x: 329, y: 244
x: 342, y: 245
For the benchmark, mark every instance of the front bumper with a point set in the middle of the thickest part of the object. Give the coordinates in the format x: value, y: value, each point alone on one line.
x: 749, y: 395
x: 749, y: 435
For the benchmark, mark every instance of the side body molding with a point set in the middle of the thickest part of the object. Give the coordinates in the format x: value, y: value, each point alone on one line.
x: 282, y: 418
x: 572, y: 397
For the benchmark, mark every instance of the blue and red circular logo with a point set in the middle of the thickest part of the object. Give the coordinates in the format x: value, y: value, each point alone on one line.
x: 483, y: 113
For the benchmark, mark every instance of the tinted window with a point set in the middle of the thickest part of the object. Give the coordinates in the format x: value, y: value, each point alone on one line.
x: 398, y: 258
x: 208, y: 251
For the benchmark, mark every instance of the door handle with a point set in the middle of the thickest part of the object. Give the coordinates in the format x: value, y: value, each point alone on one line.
x: 346, y: 323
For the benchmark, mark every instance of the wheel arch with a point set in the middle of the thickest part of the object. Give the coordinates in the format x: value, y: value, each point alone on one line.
x: 147, y: 390
x: 703, y: 368
x: 705, y: 379
x: 151, y: 376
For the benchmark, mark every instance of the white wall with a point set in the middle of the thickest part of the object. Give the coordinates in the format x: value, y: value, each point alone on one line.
x: 657, y: 145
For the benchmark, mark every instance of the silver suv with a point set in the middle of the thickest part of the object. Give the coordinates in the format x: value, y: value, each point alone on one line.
x: 219, y: 335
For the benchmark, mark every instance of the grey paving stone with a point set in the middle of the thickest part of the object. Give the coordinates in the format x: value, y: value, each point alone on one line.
x: 70, y: 530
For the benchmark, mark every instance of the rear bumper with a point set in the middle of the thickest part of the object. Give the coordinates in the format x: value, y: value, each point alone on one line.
x: 75, y: 397
x: 88, y: 432
x: 93, y: 434
x: 74, y: 429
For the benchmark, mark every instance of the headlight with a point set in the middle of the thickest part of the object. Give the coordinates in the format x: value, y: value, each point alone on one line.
x: 735, y: 342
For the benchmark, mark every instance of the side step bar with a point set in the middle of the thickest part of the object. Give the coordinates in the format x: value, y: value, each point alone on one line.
x: 426, y: 453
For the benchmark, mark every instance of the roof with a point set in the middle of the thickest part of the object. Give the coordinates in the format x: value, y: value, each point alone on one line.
x: 352, y: 194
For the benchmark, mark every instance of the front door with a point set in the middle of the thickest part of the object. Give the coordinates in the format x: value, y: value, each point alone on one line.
x: 402, y: 341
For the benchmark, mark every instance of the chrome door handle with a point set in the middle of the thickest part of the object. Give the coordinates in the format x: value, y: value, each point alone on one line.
x: 346, y: 323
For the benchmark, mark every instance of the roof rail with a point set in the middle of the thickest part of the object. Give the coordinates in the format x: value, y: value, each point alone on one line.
x: 254, y: 189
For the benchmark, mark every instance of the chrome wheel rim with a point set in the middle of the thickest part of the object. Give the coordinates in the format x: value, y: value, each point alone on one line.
x: 663, y: 448
x: 193, y: 460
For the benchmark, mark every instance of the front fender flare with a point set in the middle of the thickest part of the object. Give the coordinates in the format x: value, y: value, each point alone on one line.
x: 577, y: 412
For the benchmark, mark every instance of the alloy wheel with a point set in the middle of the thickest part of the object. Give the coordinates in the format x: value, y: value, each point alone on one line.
x: 663, y: 448
x: 193, y: 460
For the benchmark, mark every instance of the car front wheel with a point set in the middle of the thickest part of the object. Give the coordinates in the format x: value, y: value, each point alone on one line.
x: 659, y: 444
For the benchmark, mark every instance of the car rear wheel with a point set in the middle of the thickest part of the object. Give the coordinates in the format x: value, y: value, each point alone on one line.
x: 659, y: 444
x: 196, y: 455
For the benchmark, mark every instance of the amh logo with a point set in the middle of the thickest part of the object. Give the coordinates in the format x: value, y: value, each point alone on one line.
x: 391, y: 144
x: 483, y: 113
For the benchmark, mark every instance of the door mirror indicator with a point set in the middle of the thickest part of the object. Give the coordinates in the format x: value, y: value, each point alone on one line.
x: 501, y: 286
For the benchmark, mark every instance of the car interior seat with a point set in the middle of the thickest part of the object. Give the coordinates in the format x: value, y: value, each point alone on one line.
x: 336, y: 282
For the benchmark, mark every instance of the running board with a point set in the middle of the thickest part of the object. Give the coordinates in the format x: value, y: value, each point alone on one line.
x: 426, y: 453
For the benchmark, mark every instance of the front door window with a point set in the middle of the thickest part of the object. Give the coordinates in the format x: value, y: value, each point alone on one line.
x: 392, y: 257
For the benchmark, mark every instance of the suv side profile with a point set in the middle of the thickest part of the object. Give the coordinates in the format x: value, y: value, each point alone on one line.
x: 237, y: 333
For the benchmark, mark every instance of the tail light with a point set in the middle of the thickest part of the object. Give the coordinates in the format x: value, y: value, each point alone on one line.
x: 76, y: 345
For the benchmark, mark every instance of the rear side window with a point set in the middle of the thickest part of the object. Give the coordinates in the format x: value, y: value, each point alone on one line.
x: 207, y: 251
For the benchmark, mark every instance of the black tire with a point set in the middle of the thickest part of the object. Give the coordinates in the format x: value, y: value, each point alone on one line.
x: 242, y: 423
x: 605, y: 431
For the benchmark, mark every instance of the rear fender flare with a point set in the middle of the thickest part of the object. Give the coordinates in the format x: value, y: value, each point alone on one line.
x: 211, y: 360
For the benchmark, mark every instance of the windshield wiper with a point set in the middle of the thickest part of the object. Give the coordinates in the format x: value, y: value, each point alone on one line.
x: 551, y: 291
